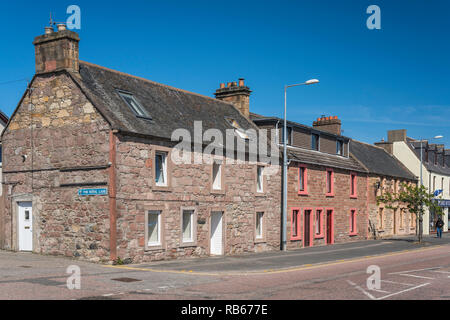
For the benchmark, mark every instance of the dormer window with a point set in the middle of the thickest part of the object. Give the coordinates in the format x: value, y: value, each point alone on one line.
x: 238, y: 130
x: 134, y: 105
x: 315, y: 141
x: 340, y: 148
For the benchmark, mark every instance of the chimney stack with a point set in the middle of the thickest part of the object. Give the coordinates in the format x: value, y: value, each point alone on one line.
x: 237, y: 94
x: 328, y: 124
x: 57, y: 50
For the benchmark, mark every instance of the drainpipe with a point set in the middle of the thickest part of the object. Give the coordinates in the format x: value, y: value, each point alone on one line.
x: 112, y: 197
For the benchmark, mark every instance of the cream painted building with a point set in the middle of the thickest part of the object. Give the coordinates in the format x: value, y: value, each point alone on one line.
x: 435, y: 169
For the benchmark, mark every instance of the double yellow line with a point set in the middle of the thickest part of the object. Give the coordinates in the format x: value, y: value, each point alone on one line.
x: 271, y: 271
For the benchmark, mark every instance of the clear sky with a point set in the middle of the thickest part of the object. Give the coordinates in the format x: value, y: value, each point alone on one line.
x: 374, y: 80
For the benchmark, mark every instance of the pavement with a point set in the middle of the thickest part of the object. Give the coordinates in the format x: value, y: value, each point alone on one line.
x: 407, y: 270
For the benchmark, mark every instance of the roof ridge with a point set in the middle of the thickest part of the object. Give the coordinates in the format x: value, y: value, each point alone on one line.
x: 152, y: 82
x: 370, y: 145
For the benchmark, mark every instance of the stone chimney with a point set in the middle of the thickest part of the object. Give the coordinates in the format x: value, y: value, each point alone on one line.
x: 329, y: 124
x: 57, y: 50
x: 397, y: 135
x: 386, y: 145
x: 236, y: 93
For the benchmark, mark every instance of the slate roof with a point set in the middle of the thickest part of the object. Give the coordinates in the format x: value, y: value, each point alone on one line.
x: 379, y: 161
x: 260, y: 119
x: 324, y: 159
x: 169, y: 108
x: 414, y: 145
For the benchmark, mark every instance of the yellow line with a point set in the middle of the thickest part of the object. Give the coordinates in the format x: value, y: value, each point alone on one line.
x: 265, y: 272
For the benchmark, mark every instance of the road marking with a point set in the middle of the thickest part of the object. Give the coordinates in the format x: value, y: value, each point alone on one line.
x: 393, y: 282
x: 416, y: 270
x: 414, y: 276
x: 441, y: 271
x: 250, y: 273
x: 403, y: 291
x: 387, y: 296
x: 362, y: 290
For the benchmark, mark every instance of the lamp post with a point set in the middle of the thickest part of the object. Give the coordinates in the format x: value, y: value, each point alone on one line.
x: 285, y: 161
x: 421, y: 184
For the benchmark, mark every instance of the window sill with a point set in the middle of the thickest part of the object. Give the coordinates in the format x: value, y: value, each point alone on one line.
x: 303, y: 193
x: 218, y: 191
x: 296, y: 239
x: 162, y: 188
x: 319, y: 236
x: 150, y: 248
x: 353, y: 197
x: 330, y: 195
x: 188, y: 244
x: 352, y: 234
x: 260, y: 240
x: 260, y: 194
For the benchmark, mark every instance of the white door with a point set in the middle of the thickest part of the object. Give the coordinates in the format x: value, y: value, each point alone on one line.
x: 25, y: 226
x: 216, y: 233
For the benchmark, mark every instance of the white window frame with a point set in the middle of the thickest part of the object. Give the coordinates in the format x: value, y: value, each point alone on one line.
x: 159, y: 221
x: 260, y: 179
x: 192, y: 216
x: 259, y: 231
x: 163, y: 168
x: 217, y: 177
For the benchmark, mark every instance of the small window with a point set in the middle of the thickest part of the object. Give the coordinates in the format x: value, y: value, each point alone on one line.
x: 161, y: 169
x: 188, y: 226
x: 330, y: 183
x: 315, y: 142
x: 260, y: 179
x: 27, y: 215
x: 353, y: 192
x: 259, y: 225
x: 380, y: 218
x: 133, y: 104
x: 340, y: 147
x: 353, y: 222
x: 289, y: 136
x: 295, y: 224
x: 154, y: 228
x: 318, y: 222
x: 302, y: 180
x: 217, y: 176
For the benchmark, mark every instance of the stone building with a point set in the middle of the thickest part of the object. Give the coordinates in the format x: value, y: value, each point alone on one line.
x: 3, y: 122
x: 327, y: 187
x: 435, y: 170
x: 386, y: 174
x: 88, y: 168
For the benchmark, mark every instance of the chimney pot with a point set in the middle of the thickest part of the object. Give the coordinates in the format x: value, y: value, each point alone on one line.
x: 241, y: 82
x: 61, y: 27
x: 49, y: 30
x: 222, y: 85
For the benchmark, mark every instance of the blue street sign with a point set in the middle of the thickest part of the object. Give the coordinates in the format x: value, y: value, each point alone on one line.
x: 438, y: 192
x: 443, y: 203
x: 93, y: 192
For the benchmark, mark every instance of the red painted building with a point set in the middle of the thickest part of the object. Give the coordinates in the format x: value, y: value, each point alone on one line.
x: 327, y: 187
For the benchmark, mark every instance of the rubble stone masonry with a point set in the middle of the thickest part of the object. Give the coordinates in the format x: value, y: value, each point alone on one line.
x: 70, y: 151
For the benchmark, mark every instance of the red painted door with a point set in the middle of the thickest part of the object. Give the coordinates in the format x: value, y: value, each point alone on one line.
x: 329, y: 227
x: 307, y: 226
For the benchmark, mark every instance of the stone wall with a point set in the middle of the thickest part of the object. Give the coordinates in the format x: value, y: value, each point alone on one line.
x: 68, y: 136
x: 190, y: 187
x: 341, y: 203
x: 394, y: 222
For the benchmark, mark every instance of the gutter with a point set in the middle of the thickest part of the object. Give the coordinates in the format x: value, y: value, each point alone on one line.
x: 112, y: 191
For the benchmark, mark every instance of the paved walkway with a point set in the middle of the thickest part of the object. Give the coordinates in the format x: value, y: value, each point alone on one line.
x: 270, y: 261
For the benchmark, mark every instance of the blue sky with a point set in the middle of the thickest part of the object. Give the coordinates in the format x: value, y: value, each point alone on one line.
x: 374, y: 80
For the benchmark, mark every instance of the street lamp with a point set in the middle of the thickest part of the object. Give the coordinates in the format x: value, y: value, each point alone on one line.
x: 285, y: 160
